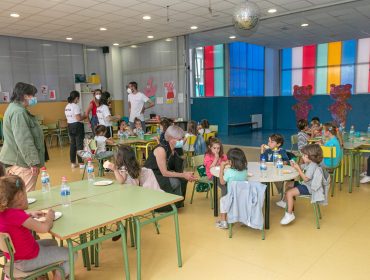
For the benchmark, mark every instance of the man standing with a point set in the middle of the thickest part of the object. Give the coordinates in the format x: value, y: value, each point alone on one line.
x: 138, y: 102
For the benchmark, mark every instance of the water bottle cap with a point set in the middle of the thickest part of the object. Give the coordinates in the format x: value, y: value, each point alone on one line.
x: 89, y: 160
x: 43, y: 168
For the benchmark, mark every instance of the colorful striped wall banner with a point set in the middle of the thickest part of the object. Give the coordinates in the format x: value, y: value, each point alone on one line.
x: 347, y: 71
x: 286, y: 73
x: 219, y: 81
x: 334, y: 62
x: 297, y: 62
x: 322, y: 70
x: 309, y: 63
x: 209, y: 78
x: 362, y: 67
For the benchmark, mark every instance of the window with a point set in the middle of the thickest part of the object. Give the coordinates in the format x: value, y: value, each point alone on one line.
x: 246, y: 69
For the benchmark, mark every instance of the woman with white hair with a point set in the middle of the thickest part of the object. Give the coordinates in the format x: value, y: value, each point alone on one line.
x: 167, y: 165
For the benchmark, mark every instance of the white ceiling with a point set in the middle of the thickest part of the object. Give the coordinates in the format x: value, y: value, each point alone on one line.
x: 81, y: 20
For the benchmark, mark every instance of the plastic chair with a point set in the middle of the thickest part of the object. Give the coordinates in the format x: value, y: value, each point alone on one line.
x: 189, y: 148
x: 331, y: 153
x: 147, y: 147
x: 214, y: 128
x: 316, y: 210
x: 40, y: 119
x: 294, y: 142
x: 52, y: 132
x: 62, y: 131
x: 6, y: 245
x: 247, y: 184
x: 198, y: 161
x: 206, y: 136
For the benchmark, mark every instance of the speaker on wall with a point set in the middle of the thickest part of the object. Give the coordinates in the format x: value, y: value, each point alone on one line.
x: 105, y: 49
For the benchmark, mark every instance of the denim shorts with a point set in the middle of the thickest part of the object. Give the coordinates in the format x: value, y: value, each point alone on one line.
x: 301, y: 188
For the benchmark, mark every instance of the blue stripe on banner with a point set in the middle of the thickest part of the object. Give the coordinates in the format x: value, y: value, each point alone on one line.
x: 286, y: 73
x: 348, y: 60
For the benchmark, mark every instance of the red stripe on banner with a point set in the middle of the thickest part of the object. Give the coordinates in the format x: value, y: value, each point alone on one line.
x: 209, y: 77
x: 309, y: 63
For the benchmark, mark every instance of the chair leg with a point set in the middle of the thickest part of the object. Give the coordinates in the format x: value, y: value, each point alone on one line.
x: 192, y: 195
x: 316, y: 215
x: 230, y: 230
x: 319, y: 211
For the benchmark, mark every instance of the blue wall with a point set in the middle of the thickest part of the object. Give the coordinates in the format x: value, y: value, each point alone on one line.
x: 277, y: 111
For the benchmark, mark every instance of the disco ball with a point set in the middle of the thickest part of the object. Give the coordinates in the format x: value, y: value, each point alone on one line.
x: 246, y: 17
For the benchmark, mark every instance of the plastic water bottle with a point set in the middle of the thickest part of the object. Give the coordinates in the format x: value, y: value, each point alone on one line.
x: 323, y: 138
x: 352, y: 133
x: 120, y: 135
x: 90, y: 171
x: 141, y: 134
x: 158, y: 130
x: 45, y: 180
x: 368, y: 131
x: 279, y: 165
x: 65, y: 193
x: 275, y: 156
x: 263, y: 167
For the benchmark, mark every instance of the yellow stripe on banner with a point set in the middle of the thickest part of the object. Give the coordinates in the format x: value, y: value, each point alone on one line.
x: 334, y: 61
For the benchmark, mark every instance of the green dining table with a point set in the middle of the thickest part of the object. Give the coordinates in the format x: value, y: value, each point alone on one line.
x: 96, y: 207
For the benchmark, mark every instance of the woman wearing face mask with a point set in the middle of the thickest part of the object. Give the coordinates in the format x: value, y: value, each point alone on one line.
x: 92, y: 108
x: 75, y: 127
x: 167, y: 165
x: 23, y: 152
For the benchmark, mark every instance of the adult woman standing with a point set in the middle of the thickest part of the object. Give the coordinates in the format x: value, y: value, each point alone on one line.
x: 75, y: 126
x: 104, y: 115
x: 23, y: 152
x: 167, y: 165
x: 93, y: 105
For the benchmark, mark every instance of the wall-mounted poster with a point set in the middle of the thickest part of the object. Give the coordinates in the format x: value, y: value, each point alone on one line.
x: 150, y: 89
x: 52, y: 94
x: 169, y: 91
x: 44, y: 90
x: 5, y: 97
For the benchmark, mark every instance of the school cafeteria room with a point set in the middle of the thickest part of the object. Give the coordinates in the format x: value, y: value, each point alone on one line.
x: 184, y: 139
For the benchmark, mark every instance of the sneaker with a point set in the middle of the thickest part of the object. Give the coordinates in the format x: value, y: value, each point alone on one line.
x: 365, y: 180
x: 288, y: 218
x: 281, y: 204
x: 363, y: 174
x: 73, y: 165
x: 222, y: 225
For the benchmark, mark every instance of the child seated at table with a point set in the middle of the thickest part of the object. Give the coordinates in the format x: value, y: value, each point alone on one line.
x: 314, y: 181
x: 138, y: 127
x: 330, y: 133
x: 192, y: 127
x: 303, y: 137
x: 124, y: 128
x: 30, y: 254
x: 127, y: 170
x: 316, y: 129
x: 203, y: 127
x: 275, y: 143
x: 237, y: 172
x: 101, y: 142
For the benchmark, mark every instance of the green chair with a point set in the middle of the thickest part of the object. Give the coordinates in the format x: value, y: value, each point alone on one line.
x: 52, y: 132
x: 197, y: 162
x: 316, y: 210
x: 62, y: 131
x: 6, y: 245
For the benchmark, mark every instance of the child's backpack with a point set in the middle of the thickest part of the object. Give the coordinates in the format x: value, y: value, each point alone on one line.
x: 201, y: 186
x: 200, y: 145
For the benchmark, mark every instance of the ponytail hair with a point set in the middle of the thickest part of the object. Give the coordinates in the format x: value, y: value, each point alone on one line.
x: 73, y: 95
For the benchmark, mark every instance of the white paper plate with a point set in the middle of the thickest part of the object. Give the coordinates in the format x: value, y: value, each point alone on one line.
x: 31, y: 200
x: 103, y: 183
x: 57, y: 216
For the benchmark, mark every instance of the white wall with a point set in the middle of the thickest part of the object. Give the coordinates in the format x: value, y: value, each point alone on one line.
x: 163, y: 61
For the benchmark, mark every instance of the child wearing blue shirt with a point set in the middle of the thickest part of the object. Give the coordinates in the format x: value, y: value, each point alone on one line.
x: 237, y: 172
x: 276, y: 141
x: 330, y: 133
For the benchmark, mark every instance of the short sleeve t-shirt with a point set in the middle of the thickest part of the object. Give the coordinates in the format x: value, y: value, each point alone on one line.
x: 231, y: 175
x: 11, y: 222
x: 71, y: 110
x: 137, y: 101
x: 103, y: 112
x: 100, y: 144
x: 268, y: 154
x: 333, y: 142
x: 309, y: 171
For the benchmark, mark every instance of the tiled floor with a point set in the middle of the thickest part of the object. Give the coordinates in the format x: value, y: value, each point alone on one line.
x: 339, y: 250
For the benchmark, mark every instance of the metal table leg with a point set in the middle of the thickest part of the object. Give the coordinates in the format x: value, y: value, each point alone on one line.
x: 215, y: 196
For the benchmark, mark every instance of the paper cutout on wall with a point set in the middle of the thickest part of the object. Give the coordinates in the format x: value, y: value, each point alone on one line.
x: 150, y: 89
x: 44, y: 90
x: 302, y: 95
x: 169, y: 91
x: 5, y: 97
x: 52, y: 94
x: 340, y: 108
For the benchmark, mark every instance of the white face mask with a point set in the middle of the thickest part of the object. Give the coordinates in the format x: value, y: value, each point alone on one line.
x: 129, y: 91
x: 98, y: 97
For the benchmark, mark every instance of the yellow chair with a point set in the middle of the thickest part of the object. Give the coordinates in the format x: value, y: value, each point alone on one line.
x: 6, y: 245
x: 147, y: 147
x: 214, y: 128
x: 331, y: 153
x: 189, y: 148
x: 206, y: 136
